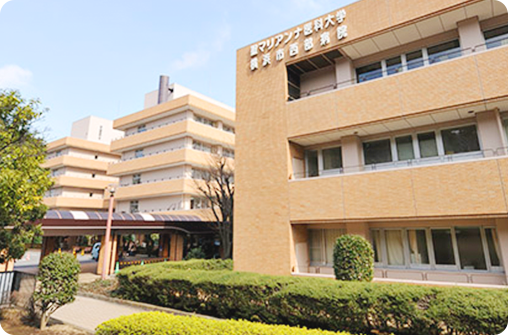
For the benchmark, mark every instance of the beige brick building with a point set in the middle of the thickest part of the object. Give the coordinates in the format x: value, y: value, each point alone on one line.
x: 167, y: 147
x: 386, y: 119
x: 79, y: 165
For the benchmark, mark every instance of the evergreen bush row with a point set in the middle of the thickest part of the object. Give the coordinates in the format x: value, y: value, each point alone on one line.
x: 319, y: 303
x: 156, y: 323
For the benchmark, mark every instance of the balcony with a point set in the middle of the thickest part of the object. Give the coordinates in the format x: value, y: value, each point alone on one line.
x: 164, y: 159
x: 174, y: 130
x: 75, y: 203
x: 156, y: 189
x: 471, y: 79
x: 77, y: 162
x: 457, y: 189
x: 85, y: 183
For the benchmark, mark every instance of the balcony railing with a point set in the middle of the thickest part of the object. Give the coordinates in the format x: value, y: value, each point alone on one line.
x: 159, y: 152
x: 436, y: 160
x: 409, y: 66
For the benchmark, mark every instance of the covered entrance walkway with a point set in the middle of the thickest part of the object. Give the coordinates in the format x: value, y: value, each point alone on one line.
x: 135, y: 238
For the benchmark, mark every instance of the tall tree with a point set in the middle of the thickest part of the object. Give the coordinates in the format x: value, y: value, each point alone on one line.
x: 216, y: 186
x: 23, y: 182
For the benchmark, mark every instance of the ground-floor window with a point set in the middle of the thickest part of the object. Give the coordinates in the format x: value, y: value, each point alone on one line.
x: 453, y: 248
x: 321, y: 245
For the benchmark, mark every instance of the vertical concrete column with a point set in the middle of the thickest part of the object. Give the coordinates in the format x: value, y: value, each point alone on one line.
x: 300, y: 251
x: 165, y: 241
x: 502, y: 231
x: 114, y: 254
x: 358, y: 228
x: 296, y: 161
x: 490, y: 131
x: 110, y: 263
x: 352, y: 152
x: 48, y: 246
x: 188, y: 143
x: 220, y: 125
x: 470, y: 34
x: 344, y: 72
x: 176, y: 247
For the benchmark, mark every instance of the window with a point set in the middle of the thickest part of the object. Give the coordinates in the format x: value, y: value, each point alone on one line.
x: 228, y: 153
x: 505, y: 124
x: 414, y: 60
x: 376, y: 245
x: 496, y: 37
x: 136, y: 179
x: 394, y: 247
x: 369, y: 72
x: 428, y: 145
x: 455, y: 248
x: 405, y: 148
x: 142, y: 128
x: 393, y: 65
x: 200, y: 174
x: 228, y: 129
x: 332, y: 158
x: 469, y: 243
x: 444, y: 51
x: 376, y: 152
x: 322, y: 244
x: 201, y: 147
x: 91, y: 195
x: 198, y: 203
x: 134, y: 206
x: 493, y: 246
x: 315, y: 245
x: 312, y: 163
x: 443, y: 246
x: 93, y: 175
x: 139, y: 153
x: 203, y: 120
x: 96, y: 157
x: 458, y: 140
x: 418, y: 251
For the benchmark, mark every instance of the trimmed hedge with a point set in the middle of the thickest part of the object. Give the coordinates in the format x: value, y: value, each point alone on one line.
x: 353, y: 259
x: 193, y: 264
x: 157, y: 323
x: 321, y: 303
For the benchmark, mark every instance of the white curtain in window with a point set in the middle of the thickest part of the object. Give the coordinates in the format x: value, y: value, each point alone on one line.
x: 331, y: 236
x: 315, y: 245
x: 394, y: 247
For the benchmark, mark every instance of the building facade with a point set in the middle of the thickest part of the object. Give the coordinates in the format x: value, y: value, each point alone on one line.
x: 167, y: 147
x: 79, y: 165
x: 386, y: 119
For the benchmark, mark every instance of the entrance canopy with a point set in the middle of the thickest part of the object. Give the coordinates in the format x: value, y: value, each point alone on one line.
x: 58, y: 223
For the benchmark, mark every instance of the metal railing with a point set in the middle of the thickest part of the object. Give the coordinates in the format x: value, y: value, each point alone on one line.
x: 167, y: 124
x: 417, y: 162
x: 409, y: 66
x: 151, y: 181
x: 159, y: 152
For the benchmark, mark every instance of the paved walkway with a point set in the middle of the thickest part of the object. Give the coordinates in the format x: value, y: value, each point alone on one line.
x: 87, y: 313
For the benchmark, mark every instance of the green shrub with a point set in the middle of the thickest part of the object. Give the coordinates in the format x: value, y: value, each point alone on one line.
x: 357, y: 307
x: 58, y: 277
x: 353, y: 259
x: 157, y: 323
x: 196, y: 253
x: 193, y: 264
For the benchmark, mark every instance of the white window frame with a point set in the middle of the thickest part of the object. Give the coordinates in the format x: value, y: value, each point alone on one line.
x: 432, y: 266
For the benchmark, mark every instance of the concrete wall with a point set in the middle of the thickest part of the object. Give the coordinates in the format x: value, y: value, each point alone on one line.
x: 93, y: 128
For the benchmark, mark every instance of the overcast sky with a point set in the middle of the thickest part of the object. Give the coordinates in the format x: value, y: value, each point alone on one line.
x: 99, y: 57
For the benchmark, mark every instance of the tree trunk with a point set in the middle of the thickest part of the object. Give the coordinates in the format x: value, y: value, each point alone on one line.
x: 44, y: 320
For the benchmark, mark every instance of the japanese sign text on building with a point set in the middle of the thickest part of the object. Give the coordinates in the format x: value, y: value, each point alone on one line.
x: 274, y: 49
